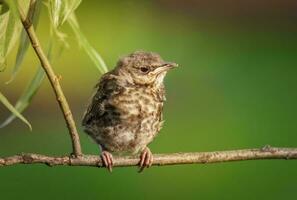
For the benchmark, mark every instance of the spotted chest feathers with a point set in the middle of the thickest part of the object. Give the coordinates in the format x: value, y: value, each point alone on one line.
x: 140, y: 115
x: 124, y: 119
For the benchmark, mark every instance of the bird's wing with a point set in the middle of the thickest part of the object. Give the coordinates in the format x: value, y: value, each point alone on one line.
x: 104, y: 90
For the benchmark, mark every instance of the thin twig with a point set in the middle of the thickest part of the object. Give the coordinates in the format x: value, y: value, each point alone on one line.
x: 266, y: 152
x: 54, y: 80
x: 31, y: 10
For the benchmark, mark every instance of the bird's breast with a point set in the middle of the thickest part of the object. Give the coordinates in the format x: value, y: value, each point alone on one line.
x: 140, y: 116
x: 138, y: 102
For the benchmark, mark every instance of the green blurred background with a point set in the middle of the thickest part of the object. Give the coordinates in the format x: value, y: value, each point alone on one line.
x: 235, y: 88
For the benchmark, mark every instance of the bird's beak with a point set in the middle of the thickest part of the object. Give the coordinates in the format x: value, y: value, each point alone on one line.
x: 165, y: 67
x: 169, y: 65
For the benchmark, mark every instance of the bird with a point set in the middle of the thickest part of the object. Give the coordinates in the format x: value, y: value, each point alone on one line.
x: 124, y: 114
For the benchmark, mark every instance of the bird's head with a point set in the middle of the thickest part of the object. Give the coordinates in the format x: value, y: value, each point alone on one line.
x: 144, y: 68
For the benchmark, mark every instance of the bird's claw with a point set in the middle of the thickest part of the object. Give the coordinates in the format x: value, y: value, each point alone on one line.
x: 146, y: 159
x: 107, y: 160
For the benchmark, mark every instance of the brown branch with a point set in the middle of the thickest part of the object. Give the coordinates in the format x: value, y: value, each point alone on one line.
x: 266, y: 152
x: 54, y: 80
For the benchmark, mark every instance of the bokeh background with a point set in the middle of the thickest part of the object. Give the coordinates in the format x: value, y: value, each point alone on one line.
x: 235, y: 88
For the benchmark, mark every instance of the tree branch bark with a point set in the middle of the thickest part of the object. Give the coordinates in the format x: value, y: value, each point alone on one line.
x: 266, y: 152
x: 54, y: 80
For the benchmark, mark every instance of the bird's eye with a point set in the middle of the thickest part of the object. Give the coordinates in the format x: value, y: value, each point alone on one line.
x: 144, y: 69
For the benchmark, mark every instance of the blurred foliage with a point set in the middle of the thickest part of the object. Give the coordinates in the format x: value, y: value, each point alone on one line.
x: 59, y: 11
x: 235, y: 88
x: 13, y: 110
x: 33, y: 16
x: 25, y: 99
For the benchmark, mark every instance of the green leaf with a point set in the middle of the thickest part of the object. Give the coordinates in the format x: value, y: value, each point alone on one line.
x: 14, y: 25
x: 55, y: 13
x: 3, y: 8
x: 55, y: 8
x: 69, y: 7
x: 27, y: 96
x: 22, y: 6
x: 59, y: 11
x: 10, y: 27
x: 34, y: 13
x: 4, y: 17
x: 12, y: 109
x: 30, y: 91
x: 3, y: 24
x: 92, y: 53
x: 13, y: 7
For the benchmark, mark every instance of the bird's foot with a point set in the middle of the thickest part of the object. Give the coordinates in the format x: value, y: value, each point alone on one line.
x: 146, y: 159
x: 107, y: 160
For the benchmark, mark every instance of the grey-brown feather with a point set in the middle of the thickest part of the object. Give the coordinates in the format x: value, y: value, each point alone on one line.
x: 124, y: 116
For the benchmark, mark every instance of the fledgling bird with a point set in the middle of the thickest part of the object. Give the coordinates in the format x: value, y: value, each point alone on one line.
x: 125, y: 112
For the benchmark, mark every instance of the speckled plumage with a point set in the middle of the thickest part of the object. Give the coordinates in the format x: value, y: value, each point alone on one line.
x: 125, y: 113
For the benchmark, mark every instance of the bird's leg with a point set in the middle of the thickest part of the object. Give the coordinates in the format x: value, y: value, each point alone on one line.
x: 107, y: 159
x: 146, y: 159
